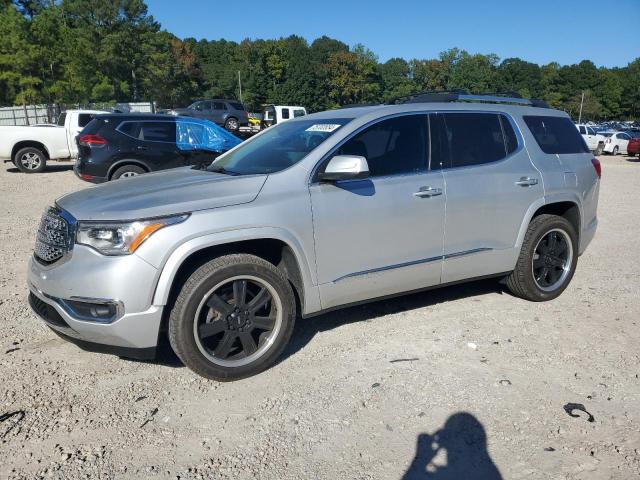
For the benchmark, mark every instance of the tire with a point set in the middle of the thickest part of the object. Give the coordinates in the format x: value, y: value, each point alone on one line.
x: 523, y: 281
x: 232, y: 124
x: 30, y: 160
x: 615, y: 151
x: 599, y: 149
x: 209, y: 328
x: 127, y: 171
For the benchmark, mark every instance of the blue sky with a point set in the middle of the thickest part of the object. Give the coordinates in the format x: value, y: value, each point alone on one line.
x: 539, y: 31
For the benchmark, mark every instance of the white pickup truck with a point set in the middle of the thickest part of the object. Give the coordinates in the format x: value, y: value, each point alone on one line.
x: 30, y: 147
x: 594, y: 141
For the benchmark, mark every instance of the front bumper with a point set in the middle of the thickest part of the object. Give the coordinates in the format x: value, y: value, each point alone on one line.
x: 126, y: 281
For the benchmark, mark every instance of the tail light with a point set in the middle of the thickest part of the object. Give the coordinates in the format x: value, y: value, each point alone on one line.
x: 597, y: 167
x: 92, y: 140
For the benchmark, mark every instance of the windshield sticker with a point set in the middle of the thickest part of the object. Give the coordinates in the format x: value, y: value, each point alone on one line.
x: 323, y: 127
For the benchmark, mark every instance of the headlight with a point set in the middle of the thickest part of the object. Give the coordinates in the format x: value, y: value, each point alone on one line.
x: 121, y: 238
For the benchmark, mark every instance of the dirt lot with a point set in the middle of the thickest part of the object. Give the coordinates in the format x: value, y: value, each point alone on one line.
x: 360, y: 393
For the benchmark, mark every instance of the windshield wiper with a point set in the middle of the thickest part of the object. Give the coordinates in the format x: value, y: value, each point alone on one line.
x: 222, y: 170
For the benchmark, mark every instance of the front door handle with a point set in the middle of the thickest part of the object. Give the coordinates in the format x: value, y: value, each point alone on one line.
x: 426, y: 192
x: 527, y: 181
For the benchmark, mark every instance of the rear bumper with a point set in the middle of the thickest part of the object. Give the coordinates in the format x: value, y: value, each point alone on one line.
x: 87, y: 177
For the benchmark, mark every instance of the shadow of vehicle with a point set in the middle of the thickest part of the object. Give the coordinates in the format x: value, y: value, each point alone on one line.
x: 306, y: 329
x: 464, y: 441
x: 50, y: 168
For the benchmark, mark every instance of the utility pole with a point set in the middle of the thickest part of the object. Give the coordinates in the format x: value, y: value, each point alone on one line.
x: 240, y: 86
x: 581, y: 103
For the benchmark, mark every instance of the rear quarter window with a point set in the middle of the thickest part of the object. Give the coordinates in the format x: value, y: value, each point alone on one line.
x: 84, y: 119
x: 236, y: 106
x: 555, y: 135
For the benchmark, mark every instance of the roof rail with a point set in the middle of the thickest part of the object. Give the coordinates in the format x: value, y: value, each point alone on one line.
x: 464, y: 96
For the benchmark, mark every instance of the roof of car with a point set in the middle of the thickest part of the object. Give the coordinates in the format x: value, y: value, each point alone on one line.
x: 380, y: 110
x: 139, y: 116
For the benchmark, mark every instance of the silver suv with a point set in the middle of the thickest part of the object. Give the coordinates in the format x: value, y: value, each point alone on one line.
x: 319, y: 212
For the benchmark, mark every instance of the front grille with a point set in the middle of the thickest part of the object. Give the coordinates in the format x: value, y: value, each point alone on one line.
x: 52, y: 240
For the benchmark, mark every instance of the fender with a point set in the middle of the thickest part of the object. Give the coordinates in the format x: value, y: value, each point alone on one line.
x: 134, y: 161
x: 182, y: 252
x: 546, y: 200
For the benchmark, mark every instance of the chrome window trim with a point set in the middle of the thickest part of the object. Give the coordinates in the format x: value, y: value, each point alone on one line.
x: 514, y: 125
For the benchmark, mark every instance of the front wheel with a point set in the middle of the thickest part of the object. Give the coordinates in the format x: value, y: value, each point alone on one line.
x: 615, y: 151
x: 30, y: 160
x: 232, y: 124
x: 233, y: 317
x: 547, y: 259
x: 599, y: 149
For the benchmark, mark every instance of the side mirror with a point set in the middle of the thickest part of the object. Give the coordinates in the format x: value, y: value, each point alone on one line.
x: 345, y: 167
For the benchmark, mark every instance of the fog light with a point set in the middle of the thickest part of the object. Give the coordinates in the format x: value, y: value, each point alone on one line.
x: 92, y: 311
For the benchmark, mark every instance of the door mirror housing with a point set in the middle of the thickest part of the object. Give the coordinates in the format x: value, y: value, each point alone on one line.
x: 345, y: 167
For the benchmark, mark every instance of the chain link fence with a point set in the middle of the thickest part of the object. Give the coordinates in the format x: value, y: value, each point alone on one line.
x: 49, y: 113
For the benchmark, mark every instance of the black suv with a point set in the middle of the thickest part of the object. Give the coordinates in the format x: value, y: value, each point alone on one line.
x: 230, y: 114
x: 120, y: 145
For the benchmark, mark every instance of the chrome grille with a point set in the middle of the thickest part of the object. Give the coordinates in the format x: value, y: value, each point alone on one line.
x: 52, y: 240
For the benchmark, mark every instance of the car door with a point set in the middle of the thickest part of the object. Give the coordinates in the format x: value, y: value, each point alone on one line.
x: 218, y: 113
x: 623, y: 141
x: 381, y: 235
x: 490, y: 185
x: 157, y: 147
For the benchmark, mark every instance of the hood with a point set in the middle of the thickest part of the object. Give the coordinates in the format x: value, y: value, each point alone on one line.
x: 167, y: 192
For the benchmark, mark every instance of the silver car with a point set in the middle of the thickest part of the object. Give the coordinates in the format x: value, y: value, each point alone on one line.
x: 316, y: 213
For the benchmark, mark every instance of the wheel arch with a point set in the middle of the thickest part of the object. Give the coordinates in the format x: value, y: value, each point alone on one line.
x: 126, y: 161
x: 282, y: 252
x: 29, y: 143
x: 566, y: 205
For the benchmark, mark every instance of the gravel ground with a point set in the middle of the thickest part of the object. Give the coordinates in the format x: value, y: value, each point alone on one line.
x: 368, y: 392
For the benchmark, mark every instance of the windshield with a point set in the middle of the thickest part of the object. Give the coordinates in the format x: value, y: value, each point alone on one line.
x: 279, y: 147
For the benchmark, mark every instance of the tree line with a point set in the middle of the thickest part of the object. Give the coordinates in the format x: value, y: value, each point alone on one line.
x: 83, y: 51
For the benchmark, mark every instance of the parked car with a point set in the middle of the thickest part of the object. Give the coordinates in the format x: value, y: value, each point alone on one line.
x: 322, y: 211
x: 616, y: 142
x: 633, y: 147
x: 230, y: 114
x: 594, y: 141
x: 29, y: 148
x: 125, y: 145
x: 274, y: 114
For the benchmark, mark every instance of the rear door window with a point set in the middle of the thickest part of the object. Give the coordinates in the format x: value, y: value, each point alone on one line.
x: 475, y: 138
x: 285, y: 113
x: 583, y: 131
x: 236, y: 106
x: 555, y: 135
x: 219, y: 106
x: 157, y: 132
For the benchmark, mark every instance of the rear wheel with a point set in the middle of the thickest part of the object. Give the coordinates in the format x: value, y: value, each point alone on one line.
x: 599, y: 149
x: 30, y: 160
x: 232, y: 318
x: 547, y: 260
x: 127, y: 171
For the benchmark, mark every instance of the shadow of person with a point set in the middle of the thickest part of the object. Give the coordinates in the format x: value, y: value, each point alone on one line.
x: 464, y: 441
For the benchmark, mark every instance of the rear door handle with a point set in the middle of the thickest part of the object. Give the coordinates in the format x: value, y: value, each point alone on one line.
x: 140, y: 147
x: 527, y: 181
x: 426, y: 192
